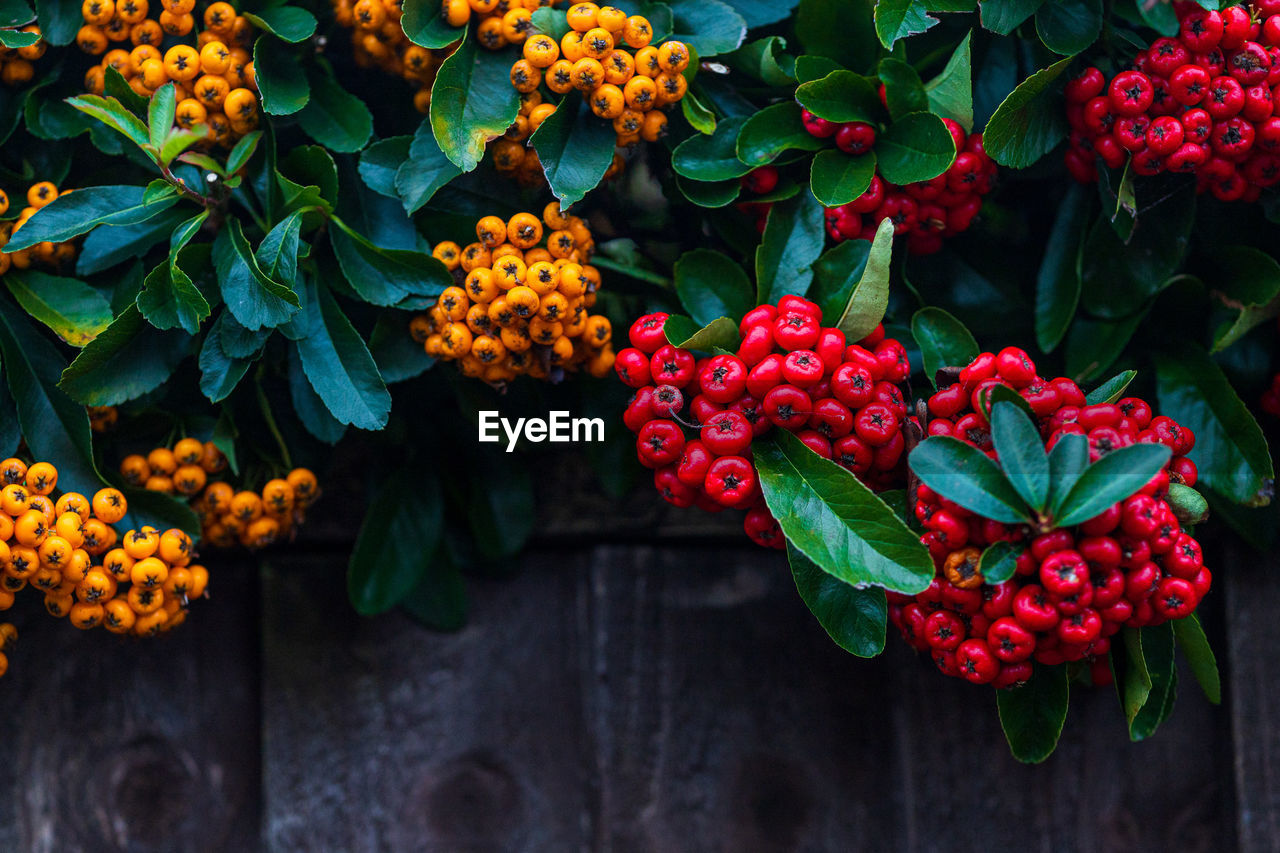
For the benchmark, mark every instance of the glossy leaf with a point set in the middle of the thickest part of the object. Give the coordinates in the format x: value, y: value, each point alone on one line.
x: 950, y: 93
x: 793, y: 239
x: 761, y: 60
x: 170, y: 300
x: 1031, y: 121
x: 1114, y: 477
x: 1112, y: 389
x: 255, y: 299
x: 427, y: 170
x: 870, y: 298
x: 1058, y: 280
x: 501, y: 512
x: 308, y: 406
x: 397, y: 540
x: 72, y: 309
x: 334, y: 117
x: 1032, y: 715
x: 916, y: 147
x: 108, y: 245
x: 128, y: 359
x: 160, y: 112
x: 285, y: 22
x: 772, y: 131
x: 1200, y: 657
x: 999, y: 562
x: 838, y: 178
x: 711, y: 285
x: 903, y: 89
x: 1067, y: 461
x: 836, y: 521
x: 943, y: 340
x: 387, y: 276
x: 839, y: 30
x: 220, y: 372
x: 380, y: 161
x: 113, y: 114
x: 714, y: 157
x: 1247, y: 281
x: 425, y: 26
x: 575, y: 149
x: 397, y: 354
x: 1069, y: 26
x: 710, y: 27
x: 282, y: 80
x: 1021, y: 449
x: 855, y: 618
x: 841, y: 96
x: 75, y: 213
x: 1003, y: 16
x: 340, y: 368
x: 1149, y: 677
x: 710, y: 194
x: 965, y: 475
x: 472, y: 101
x: 757, y: 13
x: 686, y: 334
x: 835, y: 275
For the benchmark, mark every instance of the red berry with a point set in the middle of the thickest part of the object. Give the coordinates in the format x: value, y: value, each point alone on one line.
x: 731, y: 481
x: 659, y: 443
x: 856, y: 138
x: 646, y: 333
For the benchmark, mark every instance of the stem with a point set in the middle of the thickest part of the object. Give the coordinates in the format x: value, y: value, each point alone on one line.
x: 634, y: 272
x: 183, y: 189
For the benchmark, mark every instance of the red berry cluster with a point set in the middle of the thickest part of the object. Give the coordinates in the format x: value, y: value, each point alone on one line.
x: 1203, y: 102
x: 1073, y: 588
x: 759, y: 181
x: 842, y: 400
x: 925, y: 211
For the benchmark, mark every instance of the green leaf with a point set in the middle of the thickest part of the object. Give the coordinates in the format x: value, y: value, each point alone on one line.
x: 254, y: 299
x: 1150, y: 652
x: 1032, y: 715
x: 1003, y: 16
x: 841, y: 96
x: 75, y: 213
x: 282, y: 80
x: 1031, y: 121
x: 158, y: 510
x: 169, y: 300
x: 472, y: 101
x: 108, y: 245
x: 308, y: 406
x: 1000, y: 393
x: 999, y: 562
x: 943, y: 340
x: 835, y: 275
x: 285, y: 22
x: 837, y: 178
x: 425, y: 172
x: 72, y: 309
x: 340, y: 368
x: 398, y: 355
x: 1094, y: 344
x: 239, y: 342
x: 709, y: 27
x: 397, y: 540
x: 54, y: 426
x: 112, y: 113
x: 903, y: 89
x: 1069, y: 26
x: 686, y: 334
x: 870, y: 298
x: 899, y: 19
x: 855, y: 618
x: 425, y: 26
x: 836, y: 521
x: 760, y: 59
x: 964, y: 474
x: 15, y: 39
x: 951, y: 92
x: 1245, y: 280
x: 128, y: 359
x: 553, y: 22
x: 1067, y: 461
x: 793, y: 239
x: 840, y: 30
x: 381, y: 160
x: 387, y: 276
x: 710, y: 285
x: 916, y: 147
x: 1021, y: 449
x: 59, y: 20
x: 1200, y: 657
x: 1231, y: 452
x: 220, y: 372
x: 160, y: 112
x: 1114, y: 477
x: 15, y: 13
x: 575, y: 149
x: 1058, y: 280
x: 714, y: 157
x: 698, y: 114
x: 179, y: 141
x: 501, y: 506
x: 277, y: 255
x: 771, y: 131
x: 757, y: 13
x: 810, y: 68
x: 243, y: 151
x: 334, y: 117
x: 711, y: 194
x: 1111, y: 390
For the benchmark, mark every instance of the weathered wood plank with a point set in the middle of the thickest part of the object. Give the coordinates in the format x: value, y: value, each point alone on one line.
x: 124, y: 745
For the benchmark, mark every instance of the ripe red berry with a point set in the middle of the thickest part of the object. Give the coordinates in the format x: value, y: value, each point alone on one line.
x: 646, y: 332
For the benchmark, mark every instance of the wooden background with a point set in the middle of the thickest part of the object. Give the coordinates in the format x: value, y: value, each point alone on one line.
x: 648, y: 681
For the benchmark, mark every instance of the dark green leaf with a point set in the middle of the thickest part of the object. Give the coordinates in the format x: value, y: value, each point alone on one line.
x: 15, y: 13
x: 501, y: 508
x: 339, y: 367
x: 380, y: 161
x: 1003, y: 16
x: 425, y: 26
x: 686, y: 334
x: 108, y: 245
x: 312, y: 166
x: 760, y: 59
x: 334, y: 117
x: 308, y: 406
x: 1021, y: 449
x: 575, y: 149
x: 710, y: 285
x: 1231, y: 452
x: 169, y: 299
x: 277, y: 255
x: 903, y: 89
x: 59, y: 20
x: 840, y: 30
x: 160, y: 111
x: 553, y: 22
x: 75, y: 213
x: 286, y: 22
x: 999, y: 562
x: 239, y: 342
x: 1069, y: 26
x: 112, y: 113
x: 472, y: 101
x: 398, y: 355
x: 709, y: 194
x: 964, y: 474
x: 841, y: 96
x: 15, y: 39
x: 855, y: 618
x: 72, y: 309
x: 757, y: 13
x: 951, y: 92
x: 1200, y: 657
x: 837, y: 178
x: 439, y: 601
x: 1112, y: 389
x: 835, y: 275
x: 129, y: 358
x: 1114, y: 477
x: 243, y: 151
x: 1150, y: 680
x: 898, y: 19
x: 810, y: 67
x: 770, y: 132
x: 943, y: 340
x: 282, y: 80
x: 1058, y: 281
x: 396, y: 541
x: 916, y: 147
x: 1093, y: 345
x: 1246, y: 280
x: 387, y: 276
x: 255, y: 299
x: 710, y: 27
x: 1067, y: 461
x: 1032, y: 715
x: 793, y: 239
x: 698, y: 114
x: 836, y: 521
x: 714, y: 157
x: 425, y: 172
x: 1031, y: 121
x: 220, y: 373
x: 870, y: 298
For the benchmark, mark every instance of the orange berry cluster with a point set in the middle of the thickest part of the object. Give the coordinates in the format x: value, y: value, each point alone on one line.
x: 215, y: 80
x: 8, y: 637
x: 378, y: 39
x: 520, y: 306
x: 102, y: 418
x: 17, y: 65
x: 501, y: 22
x: 137, y: 584
x: 512, y: 156
x: 227, y: 516
x: 45, y: 253
x: 596, y: 58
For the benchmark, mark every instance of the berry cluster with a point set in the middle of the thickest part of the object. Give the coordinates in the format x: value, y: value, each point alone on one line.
x: 214, y: 80
x: 1199, y: 103
x: 512, y: 155
x: 102, y: 418
x: 68, y: 551
x: 378, y: 39
x: 227, y: 517
x: 17, y: 65
x: 595, y: 57
x: 53, y: 255
x: 1073, y: 588
x: 8, y: 637
x: 925, y: 211
x: 842, y: 400
x: 520, y: 305
x: 501, y: 22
